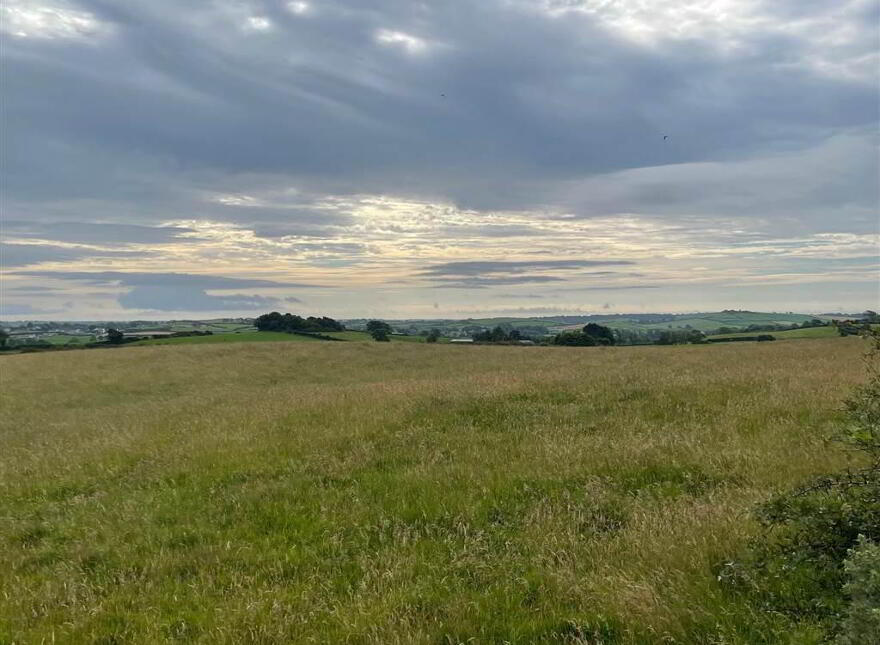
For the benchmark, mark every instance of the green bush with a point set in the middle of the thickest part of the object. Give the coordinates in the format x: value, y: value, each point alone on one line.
x: 861, y: 626
x: 814, y: 537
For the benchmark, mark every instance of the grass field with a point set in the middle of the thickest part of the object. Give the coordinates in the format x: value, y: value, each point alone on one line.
x: 264, y: 336
x: 364, y: 336
x: 324, y: 492
x: 809, y: 332
x: 244, y: 337
x: 208, y: 325
x: 65, y: 339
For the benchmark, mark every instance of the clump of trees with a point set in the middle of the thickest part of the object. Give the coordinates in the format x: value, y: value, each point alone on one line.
x: 379, y: 330
x: 818, y: 557
x: 813, y: 322
x: 291, y: 323
x: 852, y: 327
x: 590, y: 336
x: 432, y: 336
x: 499, y: 335
x: 680, y: 337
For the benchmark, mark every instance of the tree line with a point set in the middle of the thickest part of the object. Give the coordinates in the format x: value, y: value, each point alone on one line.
x: 290, y: 323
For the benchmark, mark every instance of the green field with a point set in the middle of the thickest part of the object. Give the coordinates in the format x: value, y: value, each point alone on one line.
x: 263, y: 336
x: 245, y: 337
x: 543, y: 326
x: 364, y: 336
x: 322, y: 492
x: 65, y: 339
x: 809, y: 332
x: 711, y: 321
x: 207, y: 325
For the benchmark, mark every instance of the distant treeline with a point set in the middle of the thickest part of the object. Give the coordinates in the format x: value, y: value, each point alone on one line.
x: 815, y: 322
x: 590, y: 336
x: 275, y: 321
x: 499, y: 335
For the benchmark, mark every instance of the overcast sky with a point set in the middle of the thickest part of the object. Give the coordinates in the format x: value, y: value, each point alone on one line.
x: 395, y: 158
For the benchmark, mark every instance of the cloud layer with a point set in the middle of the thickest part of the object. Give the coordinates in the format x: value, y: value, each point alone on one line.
x: 383, y: 148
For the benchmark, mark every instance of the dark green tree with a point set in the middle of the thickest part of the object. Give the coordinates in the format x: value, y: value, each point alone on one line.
x: 379, y: 330
x: 574, y: 339
x: 115, y: 337
x: 601, y: 334
x: 275, y: 321
x: 432, y: 336
x: 4, y: 336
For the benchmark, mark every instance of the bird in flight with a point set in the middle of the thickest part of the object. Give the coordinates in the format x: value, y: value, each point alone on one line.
x: 665, y: 137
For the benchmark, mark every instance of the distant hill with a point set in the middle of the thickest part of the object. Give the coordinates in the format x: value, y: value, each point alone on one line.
x: 702, y: 321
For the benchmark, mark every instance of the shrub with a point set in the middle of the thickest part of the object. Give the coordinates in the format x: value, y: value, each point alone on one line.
x: 574, y: 339
x: 861, y: 626
x: 798, y: 567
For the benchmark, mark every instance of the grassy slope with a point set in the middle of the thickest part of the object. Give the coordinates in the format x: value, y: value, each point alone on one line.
x: 809, y: 332
x: 64, y: 339
x: 711, y: 322
x: 364, y: 336
x: 401, y: 493
x: 263, y: 336
x: 245, y: 337
x: 211, y: 326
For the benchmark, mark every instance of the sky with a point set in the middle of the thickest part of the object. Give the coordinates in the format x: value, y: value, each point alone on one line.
x: 402, y: 159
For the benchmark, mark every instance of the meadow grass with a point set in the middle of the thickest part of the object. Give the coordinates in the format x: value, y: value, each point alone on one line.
x: 231, y: 337
x: 65, y: 339
x: 364, y: 336
x: 326, y: 492
x: 829, y: 331
x: 265, y: 336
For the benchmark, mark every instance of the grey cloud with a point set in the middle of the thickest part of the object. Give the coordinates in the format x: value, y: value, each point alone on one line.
x: 188, y: 298
x: 19, y: 255
x: 15, y: 309
x: 33, y: 289
x: 92, y: 233
x: 493, y: 281
x: 480, y: 268
x: 560, y: 115
x: 161, y: 280
x: 495, y: 230
x: 794, y: 188
x: 317, y: 100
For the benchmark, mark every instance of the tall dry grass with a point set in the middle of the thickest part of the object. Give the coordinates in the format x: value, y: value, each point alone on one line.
x: 401, y: 493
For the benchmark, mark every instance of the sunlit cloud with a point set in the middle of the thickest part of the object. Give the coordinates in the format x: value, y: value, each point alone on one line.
x: 411, y: 44
x: 298, y: 8
x: 258, y: 23
x: 33, y: 19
